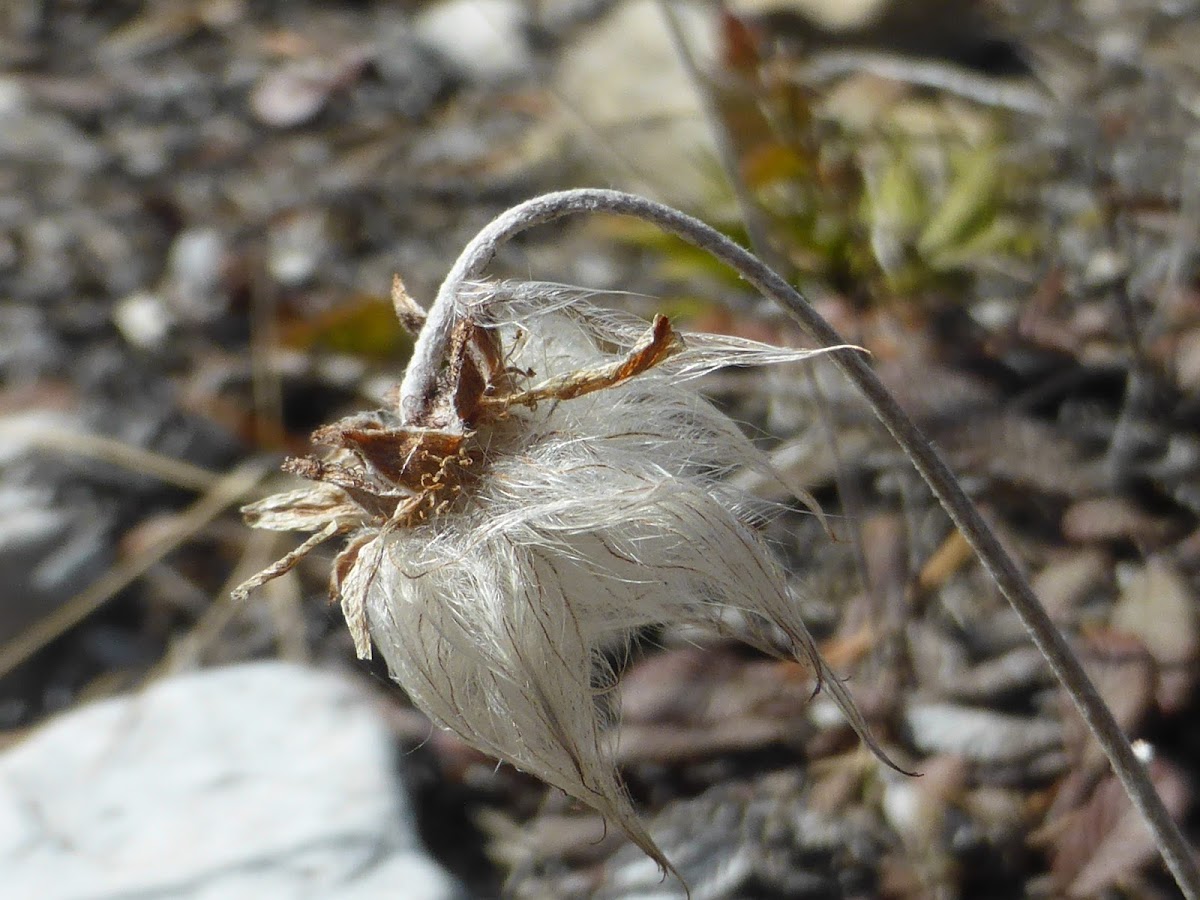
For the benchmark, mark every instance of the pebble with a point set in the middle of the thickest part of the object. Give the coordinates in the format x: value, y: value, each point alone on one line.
x: 194, y: 272
x: 143, y: 319
x: 292, y: 94
x: 296, y: 245
x: 979, y: 735
x: 50, y: 544
x: 413, y: 74
x: 45, y: 139
x: 13, y: 96
x: 261, y: 780
x: 48, y: 549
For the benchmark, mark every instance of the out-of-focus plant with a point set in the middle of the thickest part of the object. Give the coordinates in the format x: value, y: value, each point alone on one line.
x: 365, y: 327
x: 888, y: 202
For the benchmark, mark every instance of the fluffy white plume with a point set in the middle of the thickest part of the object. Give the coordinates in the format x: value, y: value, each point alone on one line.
x: 580, y: 519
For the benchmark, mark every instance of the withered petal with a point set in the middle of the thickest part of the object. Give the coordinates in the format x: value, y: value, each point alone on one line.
x: 360, y: 562
x: 285, y: 564
x: 306, y: 509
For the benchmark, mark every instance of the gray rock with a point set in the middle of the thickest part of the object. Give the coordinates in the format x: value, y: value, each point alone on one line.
x: 413, y: 74
x: 261, y: 780
x: 980, y: 735
x: 194, y: 273
x: 50, y: 545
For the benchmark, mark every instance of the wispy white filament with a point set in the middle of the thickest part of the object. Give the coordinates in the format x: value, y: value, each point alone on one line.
x: 589, y: 519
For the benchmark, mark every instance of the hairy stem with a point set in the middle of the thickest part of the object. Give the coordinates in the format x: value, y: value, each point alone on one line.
x: 417, y: 390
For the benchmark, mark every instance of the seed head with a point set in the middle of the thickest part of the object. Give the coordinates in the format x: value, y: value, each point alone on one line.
x: 561, y: 487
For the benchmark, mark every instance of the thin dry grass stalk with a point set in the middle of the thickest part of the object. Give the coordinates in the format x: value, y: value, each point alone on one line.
x: 547, y: 482
x: 227, y: 490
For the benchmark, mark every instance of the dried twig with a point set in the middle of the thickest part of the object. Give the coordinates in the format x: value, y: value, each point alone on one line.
x: 118, y: 453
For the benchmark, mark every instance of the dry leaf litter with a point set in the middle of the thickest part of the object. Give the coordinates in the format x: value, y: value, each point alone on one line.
x: 206, y: 202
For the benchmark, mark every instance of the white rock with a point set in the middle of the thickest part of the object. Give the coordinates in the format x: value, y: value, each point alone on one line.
x: 13, y: 96
x: 832, y: 15
x: 262, y: 780
x: 296, y: 246
x: 293, y: 93
x: 484, y: 41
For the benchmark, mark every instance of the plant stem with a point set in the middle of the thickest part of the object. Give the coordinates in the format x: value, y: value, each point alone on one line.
x: 417, y: 390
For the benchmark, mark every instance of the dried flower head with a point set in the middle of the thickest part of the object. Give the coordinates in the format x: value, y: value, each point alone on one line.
x: 560, y: 487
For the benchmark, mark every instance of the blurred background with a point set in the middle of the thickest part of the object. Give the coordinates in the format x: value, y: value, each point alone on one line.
x: 202, y: 204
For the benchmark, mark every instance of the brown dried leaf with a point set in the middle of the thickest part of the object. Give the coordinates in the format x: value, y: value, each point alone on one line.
x: 1112, y: 518
x: 1157, y: 605
x: 674, y: 745
x: 1062, y: 583
x: 952, y: 555
x: 1100, y: 844
x: 1024, y: 453
x: 1123, y: 672
x: 1187, y: 361
x: 705, y: 686
x: 354, y: 587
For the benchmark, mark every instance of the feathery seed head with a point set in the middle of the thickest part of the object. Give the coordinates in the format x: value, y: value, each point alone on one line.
x: 560, y: 487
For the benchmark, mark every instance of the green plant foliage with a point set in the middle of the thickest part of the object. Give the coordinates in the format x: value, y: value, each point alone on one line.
x: 928, y: 229
x: 899, y: 210
x: 366, y: 328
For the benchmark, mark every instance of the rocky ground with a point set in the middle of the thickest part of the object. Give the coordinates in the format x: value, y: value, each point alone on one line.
x: 202, y: 203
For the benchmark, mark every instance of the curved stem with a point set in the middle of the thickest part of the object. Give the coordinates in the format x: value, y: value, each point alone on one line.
x: 416, y: 393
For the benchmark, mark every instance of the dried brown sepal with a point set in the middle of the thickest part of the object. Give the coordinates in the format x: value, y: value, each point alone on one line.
x: 286, y: 564
x: 402, y: 456
x: 308, y: 509
x: 408, y: 312
x: 476, y: 365
x: 375, y: 503
x: 658, y: 343
x: 351, y: 589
